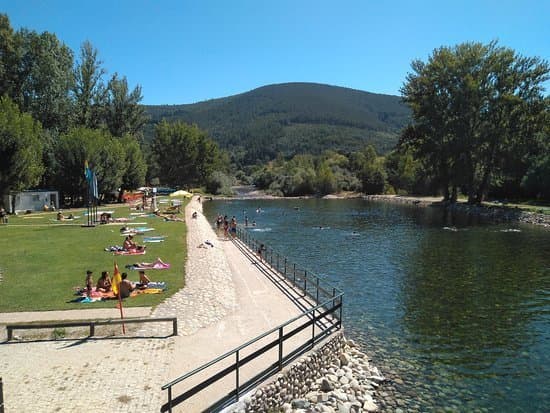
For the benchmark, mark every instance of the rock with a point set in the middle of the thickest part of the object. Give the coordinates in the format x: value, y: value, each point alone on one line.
x: 332, y: 377
x: 312, y: 397
x: 300, y: 404
x: 344, y: 407
x: 340, y: 395
x: 326, y: 386
x: 351, y: 343
x: 344, y: 359
x: 369, y: 405
x: 286, y: 406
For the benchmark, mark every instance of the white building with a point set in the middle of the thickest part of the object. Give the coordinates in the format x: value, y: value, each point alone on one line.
x: 20, y: 202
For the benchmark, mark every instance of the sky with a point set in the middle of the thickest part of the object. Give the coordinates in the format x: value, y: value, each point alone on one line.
x: 183, y: 51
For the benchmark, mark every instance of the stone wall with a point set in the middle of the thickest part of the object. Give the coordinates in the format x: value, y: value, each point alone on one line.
x: 333, y: 377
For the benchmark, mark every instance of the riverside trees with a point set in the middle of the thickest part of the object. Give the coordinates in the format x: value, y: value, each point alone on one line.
x: 56, y: 114
x: 479, y: 117
x: 184, y: 155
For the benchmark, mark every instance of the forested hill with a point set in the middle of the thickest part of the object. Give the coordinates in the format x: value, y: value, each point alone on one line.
x: 292, y: 118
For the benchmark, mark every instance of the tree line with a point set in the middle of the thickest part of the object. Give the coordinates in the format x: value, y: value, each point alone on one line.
x: 56, y: 112
x: 480, y: 127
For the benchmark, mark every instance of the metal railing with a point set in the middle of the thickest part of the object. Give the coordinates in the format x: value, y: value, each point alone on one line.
x: 1, y: 396
x: 91, y: 324
x: 324, y: 318
x: 308, y: 282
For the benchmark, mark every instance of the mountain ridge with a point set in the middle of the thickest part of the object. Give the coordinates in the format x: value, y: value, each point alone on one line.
x: 291, y: 118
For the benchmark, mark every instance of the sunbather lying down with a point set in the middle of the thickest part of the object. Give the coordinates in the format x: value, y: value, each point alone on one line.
x: 158, y: 264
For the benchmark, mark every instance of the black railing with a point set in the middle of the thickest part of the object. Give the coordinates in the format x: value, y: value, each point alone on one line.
x: 1, y: 396
x: 91, y: 324
x: 312, y: 286
x: 323, y: 317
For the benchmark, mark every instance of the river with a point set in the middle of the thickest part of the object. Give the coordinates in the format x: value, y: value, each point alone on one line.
x: 455, y: 312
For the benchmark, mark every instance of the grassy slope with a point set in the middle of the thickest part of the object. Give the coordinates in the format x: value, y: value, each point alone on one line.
x: 41, y: 261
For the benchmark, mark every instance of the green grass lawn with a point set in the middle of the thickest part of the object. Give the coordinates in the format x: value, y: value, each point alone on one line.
x: 41, y: 260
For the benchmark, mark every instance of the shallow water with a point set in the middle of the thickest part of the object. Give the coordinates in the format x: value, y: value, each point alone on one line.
x: 456, y: 311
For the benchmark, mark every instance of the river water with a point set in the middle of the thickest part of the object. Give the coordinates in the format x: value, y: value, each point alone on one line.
x: 454, y: 311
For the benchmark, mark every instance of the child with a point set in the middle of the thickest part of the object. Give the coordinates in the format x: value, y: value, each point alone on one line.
x: 89, y: 283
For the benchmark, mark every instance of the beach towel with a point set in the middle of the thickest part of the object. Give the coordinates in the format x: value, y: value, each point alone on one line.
x: 150, y: 291
x: 130, y: 252
x: 148, y: 266
x: 157, y: 284
x: 85, y: 300
x: 114, y: 248
x: 160, y: 238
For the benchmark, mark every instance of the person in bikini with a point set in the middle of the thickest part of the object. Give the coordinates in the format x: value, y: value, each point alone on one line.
x: 130, y: 245
x: 104, y: 283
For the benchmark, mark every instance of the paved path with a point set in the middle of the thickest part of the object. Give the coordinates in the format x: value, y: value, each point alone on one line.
x: 226, y: 301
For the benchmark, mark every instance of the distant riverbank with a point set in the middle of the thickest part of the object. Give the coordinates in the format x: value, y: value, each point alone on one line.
x: 491, y: 213
x: 484, y: 212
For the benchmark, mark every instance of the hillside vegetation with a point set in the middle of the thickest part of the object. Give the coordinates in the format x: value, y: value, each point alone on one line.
x: 292, y: 118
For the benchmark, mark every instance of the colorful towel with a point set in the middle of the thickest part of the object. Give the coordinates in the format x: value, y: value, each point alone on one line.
x: 148, y: 266
x: 114, y: 248
x: 130, y: 252
x: 154, y: 239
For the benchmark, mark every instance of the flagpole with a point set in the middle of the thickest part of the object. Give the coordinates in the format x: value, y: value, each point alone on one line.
x: 121, y: 314
x: 116, y: 278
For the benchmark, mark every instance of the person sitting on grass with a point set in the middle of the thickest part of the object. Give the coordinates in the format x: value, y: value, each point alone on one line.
x: 143, y: 279
x: 104, y: 283
x: 60, y: 216
x: 126, y: 287
x: 130, y: 245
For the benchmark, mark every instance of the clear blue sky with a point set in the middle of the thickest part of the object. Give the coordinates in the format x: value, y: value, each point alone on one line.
x: 187, y: 51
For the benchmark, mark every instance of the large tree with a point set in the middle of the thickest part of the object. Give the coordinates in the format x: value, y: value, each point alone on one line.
x: 104, y: 153
x: 184, y: 154
x: 475, y: 107
x: 89, y: 91
x: 124, y: 114
x: 20, y: 149
x: 43, y: 78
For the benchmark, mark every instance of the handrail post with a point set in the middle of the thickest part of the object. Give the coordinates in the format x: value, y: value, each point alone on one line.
x: 305, y: 283
x: 92, y: 329
x: 10, y: 332
x: 175, y: 326
x: 280, y: 348
x: 313, y: 330
x: 341, y: 306
x: 277, y: 261
x: 285, y: 267
x: 1, y: 396
x: 170, y: 399
x: 237, y: 374
x: 317, y: 295
x: 294, y: 278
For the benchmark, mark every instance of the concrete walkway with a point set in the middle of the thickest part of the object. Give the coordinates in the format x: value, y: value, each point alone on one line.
x: 226, y: 301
